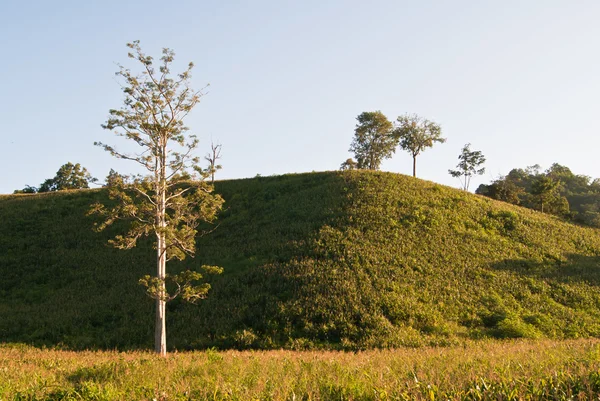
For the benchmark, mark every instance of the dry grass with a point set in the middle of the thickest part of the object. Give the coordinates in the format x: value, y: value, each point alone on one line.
x: 494, y: 370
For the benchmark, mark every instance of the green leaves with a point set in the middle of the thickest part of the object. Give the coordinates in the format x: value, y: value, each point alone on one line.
x: 469, y: 164
x: 415, y: 134
x: 183, y: 284
x: 68, y: 176
x: 373, y: 141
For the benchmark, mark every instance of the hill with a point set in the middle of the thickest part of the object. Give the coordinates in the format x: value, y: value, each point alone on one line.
x: 345, y: 260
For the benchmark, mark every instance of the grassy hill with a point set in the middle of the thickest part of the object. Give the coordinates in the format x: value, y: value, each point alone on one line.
x: 345, y: 260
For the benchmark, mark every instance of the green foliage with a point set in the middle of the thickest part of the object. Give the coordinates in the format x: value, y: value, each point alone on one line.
x: 183, y: 283
x: 27, y: 190
x: 415, y: 134
x: 373, y: 141
x: 556, y: 191
x: 114, y: 179
x: 349, y: 164
x: 469, y: 164
x: 342, y: 260
x: 68, y: 176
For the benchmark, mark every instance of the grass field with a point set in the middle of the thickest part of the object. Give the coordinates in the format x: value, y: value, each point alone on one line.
x: 486, y: 370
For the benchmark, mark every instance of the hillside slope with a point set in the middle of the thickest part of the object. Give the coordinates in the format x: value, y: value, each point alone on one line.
x: 349, y: 260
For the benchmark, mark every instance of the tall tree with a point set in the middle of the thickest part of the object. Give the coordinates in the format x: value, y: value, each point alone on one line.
x: 211, y: 158
x: 373, y: 140
x: 161, y: 204
x: 470, y: 162
x: 68, y: 176
x: 415, y: 134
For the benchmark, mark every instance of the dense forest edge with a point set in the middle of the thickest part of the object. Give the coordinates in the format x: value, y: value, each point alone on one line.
x: 337, y: 260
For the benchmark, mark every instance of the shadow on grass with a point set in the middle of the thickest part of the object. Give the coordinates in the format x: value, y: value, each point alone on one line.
x: 575, y: 269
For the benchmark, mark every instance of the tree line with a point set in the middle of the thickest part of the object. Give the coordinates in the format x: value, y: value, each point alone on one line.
x: 74, y: 176
x: 556, y: 191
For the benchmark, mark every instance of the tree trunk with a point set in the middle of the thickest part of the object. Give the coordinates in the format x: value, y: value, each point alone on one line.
x: 160, y: 328
x: 414, y: 166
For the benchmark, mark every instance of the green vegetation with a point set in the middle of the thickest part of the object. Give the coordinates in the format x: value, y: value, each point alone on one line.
x: 414, y: 134
x: 68, y: 176
x: 555, y: 191
x: 342, y: 260
x: 373, y: 141
x: 470, y: 164
x: 519, y: 370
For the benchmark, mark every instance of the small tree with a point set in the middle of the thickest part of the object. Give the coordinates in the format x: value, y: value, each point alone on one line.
x: 162, y: 204
x: 349, y: 164
x: 27, y: 190
x: 211, y: 158
x: 114, y: 179
x: 373, y: 140
x: 68, y: 176
x: 415, y: 134
x: 469, y: 164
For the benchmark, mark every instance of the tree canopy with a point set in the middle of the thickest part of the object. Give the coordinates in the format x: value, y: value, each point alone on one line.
x: 68, y: 176
x: 373, y: 141
x: 555, y: 191
x: 470, y: 162
x: 415, y: 134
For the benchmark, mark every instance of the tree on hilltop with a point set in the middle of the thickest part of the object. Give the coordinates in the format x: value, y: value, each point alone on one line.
x: 373, y: 141
x: 470, y: 162
x: 349, y: 164
x: 212, y: 157
x: 68, y: 176
x: 161, y: 204
x: 415, y: 134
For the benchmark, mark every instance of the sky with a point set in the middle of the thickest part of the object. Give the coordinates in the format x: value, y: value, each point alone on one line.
x: 519, y: 80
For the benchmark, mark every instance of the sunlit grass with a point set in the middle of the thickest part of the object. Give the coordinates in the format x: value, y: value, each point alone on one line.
x: 488, y: 370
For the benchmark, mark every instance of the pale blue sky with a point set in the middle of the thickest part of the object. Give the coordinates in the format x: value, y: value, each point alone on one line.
x: 519, y: 80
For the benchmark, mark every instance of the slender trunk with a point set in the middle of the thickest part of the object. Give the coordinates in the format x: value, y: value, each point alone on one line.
x: 414, y: 166
x: 160, y: 329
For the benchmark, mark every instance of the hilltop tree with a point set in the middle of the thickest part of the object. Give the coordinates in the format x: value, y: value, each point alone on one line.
x: 114, y: 179
x: 373, y: 140
x: 211, y: 158
x: 349, y: 164
x: 28, y: 189
x: 160, y: 204
x: 68, y: 176
x: 415, y: 134
x: 469, y: 164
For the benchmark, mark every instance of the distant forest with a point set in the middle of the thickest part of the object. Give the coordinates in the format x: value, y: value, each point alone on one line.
x: 555, y: 191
